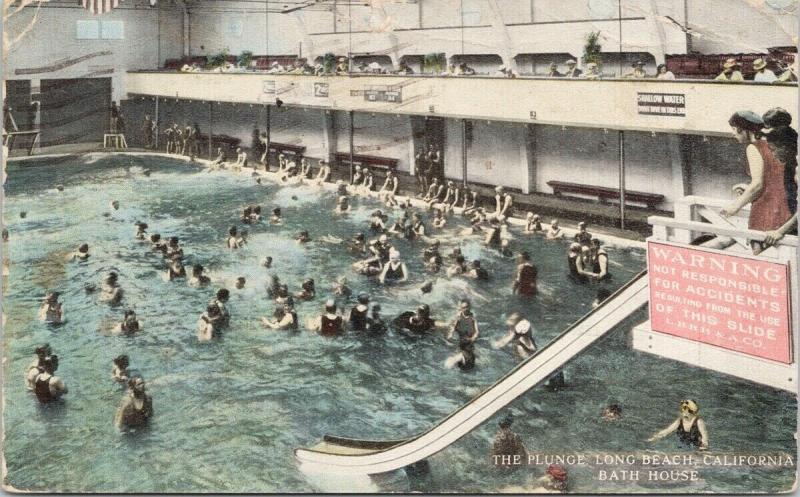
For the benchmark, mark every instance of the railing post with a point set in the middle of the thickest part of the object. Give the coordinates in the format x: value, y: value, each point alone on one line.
x: 352, y: 131
x: 210, y: 130
x: 269, y: 136
x: 158, y: 124
x: 464, y: 152
x: 622, y: 179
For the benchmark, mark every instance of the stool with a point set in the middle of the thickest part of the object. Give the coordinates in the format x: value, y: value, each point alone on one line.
x: 117, y: 140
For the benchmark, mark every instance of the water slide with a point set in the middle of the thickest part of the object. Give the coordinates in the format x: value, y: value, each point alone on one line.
x: 364, y: 457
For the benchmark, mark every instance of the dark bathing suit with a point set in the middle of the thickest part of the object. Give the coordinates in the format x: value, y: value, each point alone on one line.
x: 690, y: 438
x: 330, y: 327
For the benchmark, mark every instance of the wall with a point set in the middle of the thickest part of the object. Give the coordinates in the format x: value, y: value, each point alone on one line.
x: 53, y: 40
x: 383, y: 135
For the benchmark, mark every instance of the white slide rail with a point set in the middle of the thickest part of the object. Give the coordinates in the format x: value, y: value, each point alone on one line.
x: 373, y: 457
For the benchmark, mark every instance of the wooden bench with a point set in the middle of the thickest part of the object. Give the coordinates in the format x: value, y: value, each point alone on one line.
x: 604, y: 194
x: 371, y: 161
x: 220, y: 140
x: 283, y: 148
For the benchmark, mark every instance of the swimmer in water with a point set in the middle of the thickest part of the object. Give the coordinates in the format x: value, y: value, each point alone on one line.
x: 129, y: 324
x: 417, y: 228
x: 274, y: 286
x: 519, y: 335
x: 689, y: 427
x: 241, y: 240
x: 199, y: 279
x: 612, y: 412
x: 465, y: 325
x: 602, y: 295
x: 342, y: 205
x: 276, y: 216
x: 582, y: 236
x: 114, y: 205
x: 375, y: 324
x: 136, y: 407
x: 340, y: 288
x: 302, y: 238
x: 82, y: 253
x: 141, y: 231
x: 507, y: 443
x: 308, y: 290
x: 439, y: 221
x: 175, y: 269
x: 458, y: 267
x: 120, y: 370
x: 418, y: 321
x: 575, y: 263
x: 60, y: 188
x: 156, y: 244
x: 47, y: 386
x: 377, y: 222
x: 328, y: 324
x: 240, y: 282
x: 598, y: 261
x: 287, y: 321
x: 464, y: 358
x: 209, y: 323
x: 358, y: 314
x: 394, y: 271
x: 475, y: 271
x: 554, y: 232
x: 174, y: 249
x: 221, y: 298
x: 533, y: 224
x: 267, y: 262
x: 233, y: 238
x: 51, y: 310
x: 525, y: 282
x: 358, y: 245
x: 37, y: 366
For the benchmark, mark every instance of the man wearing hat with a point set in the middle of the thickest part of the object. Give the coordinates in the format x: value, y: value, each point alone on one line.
x: 572, y: 69
x: 763, y: 75
x: 638, y: 71
x: 592, y: 71
x: 508, y: 444
x: 730, y: 72
x: 554, y: 72
x: 790, y: 74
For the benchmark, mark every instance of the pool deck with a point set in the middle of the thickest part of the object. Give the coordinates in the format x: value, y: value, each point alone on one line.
x: 603, y: 219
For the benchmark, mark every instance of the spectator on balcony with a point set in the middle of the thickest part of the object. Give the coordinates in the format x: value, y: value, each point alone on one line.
x: 572, y: 69
x: 504, y: 72
x: 554, y: 72
x: 592, y: 71
x: 663, y: 73
x: 731, y: 71
x: 376, y: 68
x: 638, y: 72
x: 789, y: 75
x: 766, y: 190
x: 782, y: 139
x: 763, y: 75
x: 465, y: 70
x: 276, y: 68
x: 343, y: 67
x: 403, y: 68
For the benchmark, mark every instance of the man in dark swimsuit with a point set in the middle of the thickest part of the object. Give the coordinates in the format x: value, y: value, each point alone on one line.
x: 358, y: 314
x: 525, y: 281
x: 48, y: 387
x: 416, y: 322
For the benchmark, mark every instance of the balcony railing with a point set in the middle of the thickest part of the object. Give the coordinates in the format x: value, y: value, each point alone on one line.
x: 691, y: 107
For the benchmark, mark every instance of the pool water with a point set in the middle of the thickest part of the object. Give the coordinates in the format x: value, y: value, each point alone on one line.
x: 228, y: 414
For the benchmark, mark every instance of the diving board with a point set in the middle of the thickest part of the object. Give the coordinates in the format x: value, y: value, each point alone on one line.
x: 346, y: 456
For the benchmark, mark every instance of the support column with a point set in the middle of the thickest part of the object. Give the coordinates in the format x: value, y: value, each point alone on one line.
x: 158, y: 125
x: 329, y: 134
x: 210, y: 130
x: 268, y: 131
x: 681, y: 183
x: 464, y: 152
x: 530, y: 154
x: 352, y: 146
x: 622, y: 179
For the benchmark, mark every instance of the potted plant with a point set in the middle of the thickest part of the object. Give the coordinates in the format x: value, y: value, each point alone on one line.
x: 217, y: 60
x: 592, y: 48
x: 329, y: 63
x: 432, y: 63
x: 244, y: 59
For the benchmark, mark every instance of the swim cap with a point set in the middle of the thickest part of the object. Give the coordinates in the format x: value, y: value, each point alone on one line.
x: 523, y: 327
